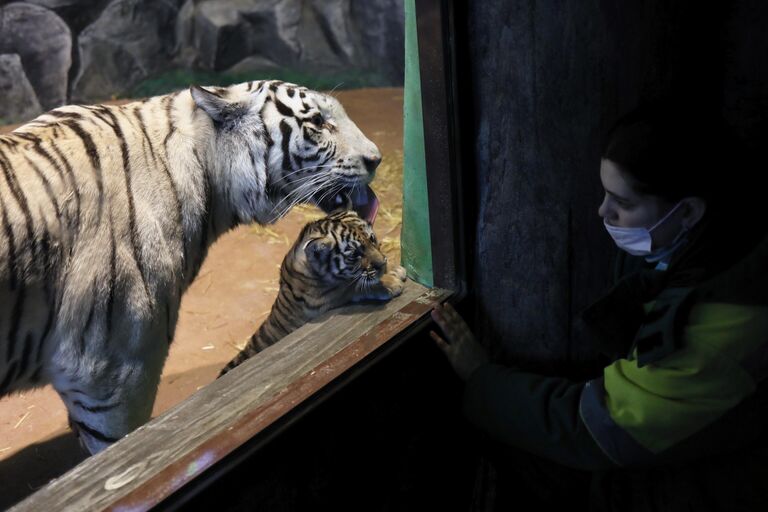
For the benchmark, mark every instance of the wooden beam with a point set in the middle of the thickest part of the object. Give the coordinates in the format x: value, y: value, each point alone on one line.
x: 159, y: 458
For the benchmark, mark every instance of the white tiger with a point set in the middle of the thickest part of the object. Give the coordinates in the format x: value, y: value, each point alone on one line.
x: 106, y: 213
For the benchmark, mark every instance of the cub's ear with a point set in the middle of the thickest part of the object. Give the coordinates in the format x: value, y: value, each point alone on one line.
x: 216, y: 105
x: 317, y: 248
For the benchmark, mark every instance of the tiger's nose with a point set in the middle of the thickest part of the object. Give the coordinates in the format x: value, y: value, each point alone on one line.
x: 380, y: 264
x: 371, y: 162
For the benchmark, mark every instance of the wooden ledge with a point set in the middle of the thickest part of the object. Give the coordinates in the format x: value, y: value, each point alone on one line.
x: 159, y: 458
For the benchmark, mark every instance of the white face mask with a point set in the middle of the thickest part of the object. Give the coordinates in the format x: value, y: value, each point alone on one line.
x: 636, y: 241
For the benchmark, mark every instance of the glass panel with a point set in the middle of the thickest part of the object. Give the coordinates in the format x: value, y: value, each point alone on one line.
x: 352, y: 50
x: 416, y: 245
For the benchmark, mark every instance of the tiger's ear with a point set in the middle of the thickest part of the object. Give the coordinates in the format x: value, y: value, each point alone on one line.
x: 215, y: 105
x: 317, y: 248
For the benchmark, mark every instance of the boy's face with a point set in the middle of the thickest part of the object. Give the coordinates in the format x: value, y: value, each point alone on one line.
x: 624, y: 207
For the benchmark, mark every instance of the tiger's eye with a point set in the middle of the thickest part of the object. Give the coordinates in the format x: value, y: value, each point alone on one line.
x: 318, y: 120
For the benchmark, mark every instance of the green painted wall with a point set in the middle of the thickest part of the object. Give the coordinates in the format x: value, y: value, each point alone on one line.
x: 414, y: 238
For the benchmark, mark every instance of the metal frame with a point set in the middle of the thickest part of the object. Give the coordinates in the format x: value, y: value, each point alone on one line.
x: 439, y: 96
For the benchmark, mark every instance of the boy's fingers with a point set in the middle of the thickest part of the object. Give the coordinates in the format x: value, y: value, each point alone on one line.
x: 449, y: 321
x: 449, y: 310
x: 452, y: 315
x: 440, y: 341
x: 439, y: 320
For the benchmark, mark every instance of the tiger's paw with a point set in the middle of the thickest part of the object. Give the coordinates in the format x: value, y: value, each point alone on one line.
x: 398, y: 272
x: 394, y: 281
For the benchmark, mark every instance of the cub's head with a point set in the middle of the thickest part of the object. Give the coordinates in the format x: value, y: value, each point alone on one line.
x: 279, y: 144
x: 342, y: 247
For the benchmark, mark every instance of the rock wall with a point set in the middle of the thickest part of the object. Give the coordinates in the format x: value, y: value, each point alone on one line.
x: 43, y: 42
x: 91, y: 50
x: 17, y: 94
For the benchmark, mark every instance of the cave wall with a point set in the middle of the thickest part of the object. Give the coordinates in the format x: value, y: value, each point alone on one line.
x: 93, y: 50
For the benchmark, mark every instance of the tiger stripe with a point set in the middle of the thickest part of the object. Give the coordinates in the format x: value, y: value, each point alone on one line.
x: 93, y: 155
x: 21, y: 201
x: 132, y: 226
x: 70, y: 175
x: 284, y: 109
x: 171, y: 129
x: 65, y: 115
x: 171, y: 183
x: 16, y: 282
x: 46, y: 186
x: 13, y: 271
x: 285, y: 131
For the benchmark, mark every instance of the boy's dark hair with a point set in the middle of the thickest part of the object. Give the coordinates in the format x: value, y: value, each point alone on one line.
x: 671, y: 149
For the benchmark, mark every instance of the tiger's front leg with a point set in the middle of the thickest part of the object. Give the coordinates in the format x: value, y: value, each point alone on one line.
x: 389, y: 286
x: 109, y: 395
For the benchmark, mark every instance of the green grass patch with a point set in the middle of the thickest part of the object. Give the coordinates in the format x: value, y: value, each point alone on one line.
x: 182, y: 78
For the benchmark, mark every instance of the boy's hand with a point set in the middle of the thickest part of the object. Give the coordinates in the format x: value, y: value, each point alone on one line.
x: 464, y: 352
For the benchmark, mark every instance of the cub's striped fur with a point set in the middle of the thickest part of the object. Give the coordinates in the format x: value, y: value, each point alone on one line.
x: 106, y: 213
x: 335, y: 260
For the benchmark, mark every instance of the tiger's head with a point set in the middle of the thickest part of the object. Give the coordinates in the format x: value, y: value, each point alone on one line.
x: 342, y: 247
x: 279, y: 144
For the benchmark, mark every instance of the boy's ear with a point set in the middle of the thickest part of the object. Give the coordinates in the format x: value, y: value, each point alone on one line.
x: 695, y: 209
x: 215, y: 105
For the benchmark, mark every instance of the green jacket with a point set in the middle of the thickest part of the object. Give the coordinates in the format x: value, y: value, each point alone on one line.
x: 690, y: 383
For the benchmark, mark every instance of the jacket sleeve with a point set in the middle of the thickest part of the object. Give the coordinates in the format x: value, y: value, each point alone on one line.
x: 535, y: 413
x: 634, y: 415
x: 639, y: 414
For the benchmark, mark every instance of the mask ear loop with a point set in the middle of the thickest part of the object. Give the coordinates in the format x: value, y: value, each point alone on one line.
x: 670, y: 212
x: 679, y: 239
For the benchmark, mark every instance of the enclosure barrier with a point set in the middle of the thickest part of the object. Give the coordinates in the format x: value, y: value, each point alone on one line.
x: 158, y: 459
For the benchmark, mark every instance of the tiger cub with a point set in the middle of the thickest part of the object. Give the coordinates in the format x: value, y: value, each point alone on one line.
x: 107, y: 213
x: 335, y: 260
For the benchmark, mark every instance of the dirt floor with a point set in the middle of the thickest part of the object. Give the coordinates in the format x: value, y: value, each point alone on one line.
x: 227, y: 302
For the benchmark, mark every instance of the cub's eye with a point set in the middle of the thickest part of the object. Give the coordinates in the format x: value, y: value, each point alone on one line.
x: 318, y: 120
x: 373, y: 238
